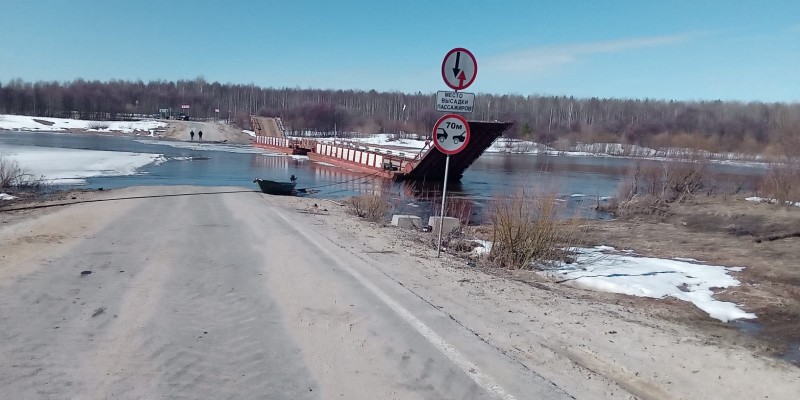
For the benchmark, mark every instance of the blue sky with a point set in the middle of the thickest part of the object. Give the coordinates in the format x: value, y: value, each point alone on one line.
x: 668, y: 49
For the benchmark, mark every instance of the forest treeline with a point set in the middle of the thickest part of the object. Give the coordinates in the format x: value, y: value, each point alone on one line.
x: 559, y: 121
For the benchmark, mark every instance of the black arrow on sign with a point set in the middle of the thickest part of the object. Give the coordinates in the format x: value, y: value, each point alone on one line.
x: 456, y: 70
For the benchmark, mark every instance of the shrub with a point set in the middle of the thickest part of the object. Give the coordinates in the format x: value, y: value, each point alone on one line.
x: 649, y: 186
x: 460, y: 208
x: 684, y: 179
x: 98, y: 125
x: 527, y: 229
x: 10, y: 173
x: 369, y: 206
x: 782, y: 183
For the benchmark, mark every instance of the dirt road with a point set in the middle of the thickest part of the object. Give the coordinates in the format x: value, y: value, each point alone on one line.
x: 212, y: 132
x: 239, y: 295
x: 223, y: 296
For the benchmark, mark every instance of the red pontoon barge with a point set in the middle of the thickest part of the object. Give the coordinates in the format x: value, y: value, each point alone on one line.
x: 427, y: 164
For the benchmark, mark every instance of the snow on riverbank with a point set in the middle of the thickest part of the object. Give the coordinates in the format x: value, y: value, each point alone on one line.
x: 27, y: 123
x: 72, y: 166
x: 411, y: 146
x: 207, y: 146
x: 771, y: 201
x: 517, y: 146
x: 603, y: 269
x: 6, y: 196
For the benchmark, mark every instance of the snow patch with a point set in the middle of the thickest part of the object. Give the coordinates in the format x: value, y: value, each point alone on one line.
x: 230, y: 148
x: 603, y: 269
x: 484, y: 248
x: 771, y: 201
x: 6, y: 196
x: 508, y: 145
x: 692, y: 260
x: 72, y: 166
x: 28, y: 123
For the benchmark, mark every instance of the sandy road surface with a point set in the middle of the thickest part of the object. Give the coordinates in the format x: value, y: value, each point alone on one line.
x: 212, y: 131
x: 223, y: 296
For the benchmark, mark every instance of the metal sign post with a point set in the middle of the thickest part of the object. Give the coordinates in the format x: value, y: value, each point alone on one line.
x: 451, y: 132
x: 441, y: 215
x: 450, y: 136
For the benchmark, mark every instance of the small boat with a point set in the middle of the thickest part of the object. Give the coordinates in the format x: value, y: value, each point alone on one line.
x: 300, y: 151
x: 276, y: 188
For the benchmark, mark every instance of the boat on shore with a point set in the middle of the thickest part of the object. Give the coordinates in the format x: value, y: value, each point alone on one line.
x: 425, y: 164
x: 276, y: 188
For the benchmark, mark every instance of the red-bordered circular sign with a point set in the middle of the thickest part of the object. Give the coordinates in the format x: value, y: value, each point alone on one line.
x: 459, y: 68
x: 451, y: 134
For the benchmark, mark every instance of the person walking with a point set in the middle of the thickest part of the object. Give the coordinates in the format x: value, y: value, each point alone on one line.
x: 191, y: 134
x: 200, y: 134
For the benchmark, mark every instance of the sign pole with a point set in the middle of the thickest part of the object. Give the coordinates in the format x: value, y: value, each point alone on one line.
x: 444, y: 194
x: 451, y: 132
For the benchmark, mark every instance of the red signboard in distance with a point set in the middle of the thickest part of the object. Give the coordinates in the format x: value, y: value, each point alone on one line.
x: 459, y: 68
x: 451, y: 134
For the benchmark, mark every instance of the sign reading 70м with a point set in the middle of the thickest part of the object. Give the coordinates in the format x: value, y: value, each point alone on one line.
x: 451, y: 134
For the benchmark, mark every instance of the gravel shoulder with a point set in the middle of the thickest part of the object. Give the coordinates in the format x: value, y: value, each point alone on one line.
x: 593, y: 345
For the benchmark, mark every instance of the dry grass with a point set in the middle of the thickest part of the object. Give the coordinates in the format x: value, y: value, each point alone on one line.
x: 10, y: 173
x: 650, y: 187
x: 782, y: 183
x: 685, y: 140
x: 458, y: 207
x: 98, y: 125
x: 527, y: 229
x: 369, y: 206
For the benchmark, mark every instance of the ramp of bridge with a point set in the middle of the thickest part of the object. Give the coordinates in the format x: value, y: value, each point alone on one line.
x: 266, y: 126
x: 482, y: 135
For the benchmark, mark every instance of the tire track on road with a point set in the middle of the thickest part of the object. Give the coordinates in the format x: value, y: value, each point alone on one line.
x: 213, y: 333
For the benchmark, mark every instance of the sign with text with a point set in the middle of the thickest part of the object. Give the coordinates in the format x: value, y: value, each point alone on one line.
x: 458, y: 102
x: 186, y: 106
x: 451, y: 134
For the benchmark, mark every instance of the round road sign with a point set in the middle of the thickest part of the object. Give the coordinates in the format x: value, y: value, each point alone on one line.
x: 459, y: 68
x: 451, y: 134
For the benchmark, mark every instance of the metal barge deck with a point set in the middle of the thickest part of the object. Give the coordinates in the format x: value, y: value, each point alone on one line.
x: 427, y: 164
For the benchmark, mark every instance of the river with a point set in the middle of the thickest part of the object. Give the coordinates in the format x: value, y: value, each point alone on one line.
x: 578, y: 180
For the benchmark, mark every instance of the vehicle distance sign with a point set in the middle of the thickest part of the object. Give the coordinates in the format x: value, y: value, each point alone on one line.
x: 451, y: 134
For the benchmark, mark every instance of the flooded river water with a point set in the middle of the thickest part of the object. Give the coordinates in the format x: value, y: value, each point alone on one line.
x: 578, y: 180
